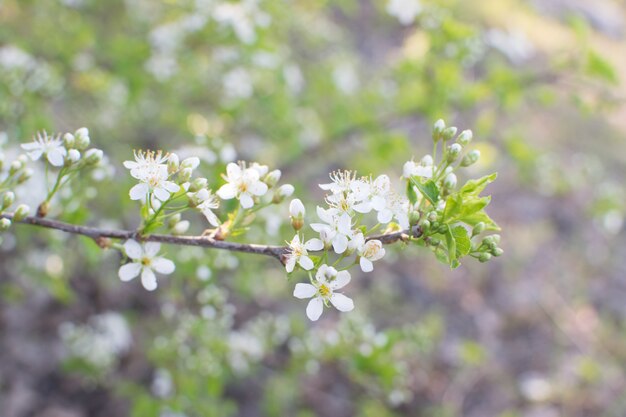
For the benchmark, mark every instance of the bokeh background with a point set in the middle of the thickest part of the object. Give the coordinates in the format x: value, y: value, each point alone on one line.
x: 309, y: 86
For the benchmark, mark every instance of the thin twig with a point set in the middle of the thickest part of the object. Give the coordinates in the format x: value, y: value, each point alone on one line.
x: 98, y: 234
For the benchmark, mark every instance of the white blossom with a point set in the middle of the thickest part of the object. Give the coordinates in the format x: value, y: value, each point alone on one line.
x: 404, y: 10
x: 242, y: 183
x: 298, y: 253
x: 208, y: 203
x: 145, y: 261
x: 49, y: 146
x: 368, y: 252
x: 151, y: 170
x: 337, y: 227
x: 322, y: 290
x: 296, y: 208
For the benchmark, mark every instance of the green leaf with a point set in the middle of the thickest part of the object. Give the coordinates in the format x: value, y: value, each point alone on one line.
x: 474, y: 219
x: 600, y: 68
x: 475, y: 187
x: 411, y: 194
x: 451, y: 243
x: 462, y: 240
x: 428, y: 189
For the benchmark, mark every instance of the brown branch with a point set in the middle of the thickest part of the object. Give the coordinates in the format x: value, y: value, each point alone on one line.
x: 98, y: 235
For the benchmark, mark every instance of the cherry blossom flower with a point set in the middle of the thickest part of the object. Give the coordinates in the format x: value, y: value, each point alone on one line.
x: 150, y: 168
x: 209, y: 202
x: 368, y: 252
x: 242, y: 183
x: 336, y: 226
x: 298, y: 253
x: 404, y: 10
x: 144, y: 262
x: 49, y: 146
x: 322, y: 291
x: 341, y: 181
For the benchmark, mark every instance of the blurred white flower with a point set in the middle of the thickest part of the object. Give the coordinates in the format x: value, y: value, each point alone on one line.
x: 144, y: 261
x: 368, y: 252
x: 242, y: 183
x: 237, y: 84
x: 346, y: 78
x: 404, y: 10
x: 49, y: 146
x: 150, y: 168
x: 322, y: 290
x: 298, y: 253
x: 208, y: 204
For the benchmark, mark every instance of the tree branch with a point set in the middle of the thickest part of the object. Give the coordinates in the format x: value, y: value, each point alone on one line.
x: 98, y: 235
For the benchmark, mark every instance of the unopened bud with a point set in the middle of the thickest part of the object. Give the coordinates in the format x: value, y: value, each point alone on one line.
x: 284, y: 191
x: 449, y: 133
x: 438, y: 129
x: 185, y: 174
x: 173, y: 163
x: 450, y: 181
x: 478, y: 229
x: 465, y: 137
x: 21, y: 212
x: 191, y: 163
x: 42, y: 210
x: 181, y: 227
x: 432, y: 216
x: 23, y: 159
x: 8, y: 199
x: 4, y: 224
x: 484, y: 257
x: 93, y: 156
x: 73, y: 156
x: 69, y: 141
x: 454, y: 151
x: 198, y: 184
x: 15, y: 166
x: 296, y: 208
x: 82, y: 140
x: 427, y: 161
x: 470, y: 158
x: 425, y: 226
x: 414, y: 217
x: 272, y: 178
x: 174, y: 220
x: 434, y: 241
x: 25, y: 176
x: 497, y: 252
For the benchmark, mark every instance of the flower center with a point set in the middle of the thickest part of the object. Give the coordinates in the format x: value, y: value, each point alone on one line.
x: 145, y: 261
x: 324, y: 290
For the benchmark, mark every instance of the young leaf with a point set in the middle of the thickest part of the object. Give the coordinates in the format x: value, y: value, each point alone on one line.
x: 475, y: 187
x: 428, y: 189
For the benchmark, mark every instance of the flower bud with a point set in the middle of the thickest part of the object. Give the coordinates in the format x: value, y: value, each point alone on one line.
x: 484, y: 257
x: 497, y: 252
x: 465, y: 137
x: 69, y: 141
x: 8, y: 199
x: 15, y: 166
x: 23, y: 159
x: 427, y: 161
x: 4, y: 224
x: 470, y: 158
x: 449, y: 133
x: 450, y: 181
x: 21, y: 212
x: 82, y: 140
x: 434, y: 241
x: 191, y: 162
x: 185, y: 174
x: 173, y: 163
x: 198, y: 184
x: 272, y: 178
x: 454, y: 151
x: 25, y: 176
x: 414, y: 217
x: 425, y: 225
x: 432, y: 216
x: 284, y: 191
x: 296, y: 210
x: 478, y: 229
x: 42, y: 210
x: 438, y: 129
x: 73, y: 156
x: 93, y: 156
x: 181, y: 227
x: 174, y: 220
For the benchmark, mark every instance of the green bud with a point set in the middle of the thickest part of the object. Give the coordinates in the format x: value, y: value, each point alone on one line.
x: 442, y: 229
x: 82, y: 140
x: 93, y: 156
x: 414, y: 217
x: 15, y: 166
x: 69, y: 141
x: 484, y: 257
x: 272, y: 178
x: 25, y: 176
x: 449, y: 133
x: 450, y: 181
x: 453, y: 152
x: 4, y: 224
x: 173, y: 221
x: 185, y: 174
x: 496, y: 238
x: 478, y: 229
x: 8, y: 199
x: 438, y: 129
x: 470, y: 158
x: 465, y: 137
x: 432, y: 216
x: 497, y: 252
x: 198, y: 184
x: 434, y: 241
x: 21, y: 212
x: 435, y: 225
x: 425, y: 225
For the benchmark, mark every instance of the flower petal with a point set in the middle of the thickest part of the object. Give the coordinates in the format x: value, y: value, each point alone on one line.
x: 148, y: 279
x: 340, y: 244
x: 161, y: 193
x: 133, y: 249
x: 129, y: 271
x: 171, y: 187
x: 258, y: 188
x: 314, y: 244
x: 341, y: 302
x: 246, y: 200
x: 56, y: 157
x: 139, y: 191
x: 384, y: 216
x: 342, y: 279
x: 163, y: 266
x: 315, y: 308
x: 151, y: 249
x: 233, y: 172
x: 290, y: 264
x: 227, y: 191
x: 304, y: 291
x: 306, y: 263
x: 366, y: 265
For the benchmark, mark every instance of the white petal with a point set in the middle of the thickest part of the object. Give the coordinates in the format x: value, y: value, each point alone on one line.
x: 290, y: 264
x: 151, y: 249
x: 31, y: 146
x: 342, y: 279
x: 344, y: 224
x: 318, y: 227
x: 139, y: 191
x: 341, y: 302
x: 246, y: 200
x: 36, y: 154
x: 56, y: 157
x: 131, y: 164
x: 366, y: 265
x: 129, y: 271
x: 258, y: 188
x: 148, y: 279
x: 306, y: 263
x: 315, y: 308
x: 211, y: 217
x: 340, y: 243
x: 227, y: 191
x: 171, y: 187
x: 365, y: 207
x: 378, y: 203
x: 314, y: 244
x: 233, y: 171
x: 324, y: 215
x: 133, y: 249
x: 161, y: 193
x: 304, y: 291
x: 163, y: 266
x: 384, y: 216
